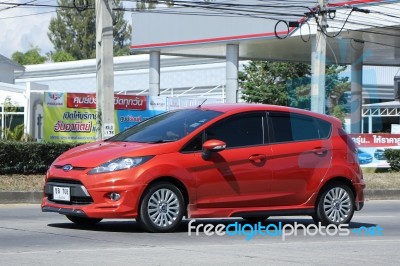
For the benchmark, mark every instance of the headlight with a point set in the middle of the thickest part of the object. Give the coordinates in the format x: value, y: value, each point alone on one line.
x: 119, y: 164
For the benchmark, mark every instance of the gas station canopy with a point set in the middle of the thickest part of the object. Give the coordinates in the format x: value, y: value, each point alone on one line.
x: 261, y: 28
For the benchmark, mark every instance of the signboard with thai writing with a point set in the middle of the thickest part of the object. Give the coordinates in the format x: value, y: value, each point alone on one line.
x: 71, y: 117
x: 371, y: 148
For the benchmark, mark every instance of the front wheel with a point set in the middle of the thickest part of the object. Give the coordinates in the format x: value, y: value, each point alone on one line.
x: 161, y: 209
x: 335, y: 205
x: 83, y: 220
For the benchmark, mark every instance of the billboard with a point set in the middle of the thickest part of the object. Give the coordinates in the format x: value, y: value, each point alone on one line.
x: 71, y: 117
x: 371, y: 148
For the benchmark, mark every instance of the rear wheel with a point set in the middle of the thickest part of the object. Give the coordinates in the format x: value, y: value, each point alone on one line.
x: 161, y: 209
x: 83, y: 220
x: 335, y: 205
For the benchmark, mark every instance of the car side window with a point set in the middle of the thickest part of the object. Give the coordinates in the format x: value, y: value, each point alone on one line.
x: 239, y: 130
x: 287, y: 127
x: 194, y: 145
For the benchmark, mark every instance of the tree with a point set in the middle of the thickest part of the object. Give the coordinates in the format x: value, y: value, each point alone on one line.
x: 74, y: 31
x: 268, y: 82
x: 31, y: 57
x: 60, y: 56
x: 289, y: 84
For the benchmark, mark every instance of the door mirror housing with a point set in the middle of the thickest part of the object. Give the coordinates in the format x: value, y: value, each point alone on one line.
x: 212, y: 145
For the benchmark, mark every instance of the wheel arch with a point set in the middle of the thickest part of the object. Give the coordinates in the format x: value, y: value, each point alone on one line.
x: 172, y: 180
x: 338, y: 179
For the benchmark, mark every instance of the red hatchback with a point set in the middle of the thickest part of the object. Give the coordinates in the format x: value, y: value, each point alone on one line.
x: 228, y: 160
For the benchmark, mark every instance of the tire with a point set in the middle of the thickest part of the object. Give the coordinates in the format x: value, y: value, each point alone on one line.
x: 84, y: 220
x: 161, y: 209
x: 335, y: 205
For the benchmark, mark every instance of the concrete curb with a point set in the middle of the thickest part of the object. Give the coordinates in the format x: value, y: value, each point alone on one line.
x: 9, y: 197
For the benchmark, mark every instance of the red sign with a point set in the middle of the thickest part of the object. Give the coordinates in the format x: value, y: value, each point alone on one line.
x: 81, y: 100
x: 130, y: 102
x: 121, y: 102
x: 376, y: 140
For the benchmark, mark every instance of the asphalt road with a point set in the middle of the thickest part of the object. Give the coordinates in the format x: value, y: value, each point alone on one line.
x: 30, y: 237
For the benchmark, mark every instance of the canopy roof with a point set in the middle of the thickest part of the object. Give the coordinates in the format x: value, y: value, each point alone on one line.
x: 205, y: 29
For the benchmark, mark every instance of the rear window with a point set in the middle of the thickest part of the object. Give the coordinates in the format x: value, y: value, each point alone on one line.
x: 287, y: 127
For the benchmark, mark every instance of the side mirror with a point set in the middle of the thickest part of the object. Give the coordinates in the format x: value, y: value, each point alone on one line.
x: 212, y: 145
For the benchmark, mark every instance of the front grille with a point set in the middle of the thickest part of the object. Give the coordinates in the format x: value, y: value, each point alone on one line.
x: 77, y: 168
x: 78, y: 193
x: 74, y: 200
x: 64, y: 181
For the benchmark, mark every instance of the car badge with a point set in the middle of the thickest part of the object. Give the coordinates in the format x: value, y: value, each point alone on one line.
x: 67, y: 167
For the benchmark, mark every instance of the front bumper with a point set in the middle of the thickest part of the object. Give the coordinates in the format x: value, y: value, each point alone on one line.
x: 64, y: 211
x: 94, y: 202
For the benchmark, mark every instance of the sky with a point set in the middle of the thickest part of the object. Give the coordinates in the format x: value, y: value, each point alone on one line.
x: 21, y: 33
x: 24, y: 27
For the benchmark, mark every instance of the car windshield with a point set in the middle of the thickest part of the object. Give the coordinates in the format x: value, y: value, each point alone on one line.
x: 166, y: 127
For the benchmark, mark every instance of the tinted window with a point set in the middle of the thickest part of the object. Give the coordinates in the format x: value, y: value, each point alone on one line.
x: 324, y: 128
x: 195, y: 144
x: 238, y: 131
x: 168, y: 126
x: 294, y: 127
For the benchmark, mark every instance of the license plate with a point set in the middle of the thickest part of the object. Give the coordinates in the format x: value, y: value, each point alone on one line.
x: 61, y: 193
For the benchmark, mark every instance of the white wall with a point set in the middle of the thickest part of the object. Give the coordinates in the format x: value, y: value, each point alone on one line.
x: 6, y: 73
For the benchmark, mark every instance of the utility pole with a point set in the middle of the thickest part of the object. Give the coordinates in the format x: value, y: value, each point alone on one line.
x: 318, y: 62
x: 104, y: 70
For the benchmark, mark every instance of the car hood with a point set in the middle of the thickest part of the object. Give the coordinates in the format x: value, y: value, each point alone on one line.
x: 94, y: 154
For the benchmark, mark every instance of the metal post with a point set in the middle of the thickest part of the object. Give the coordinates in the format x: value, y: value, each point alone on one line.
x: 318, y: 63
x: 104, y: 70
x: 154, y: 73
x: 356, y: 87
x: 232, y: 70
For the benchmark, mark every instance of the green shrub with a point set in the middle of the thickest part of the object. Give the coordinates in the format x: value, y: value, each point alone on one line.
x: 393, y: 158
x: 29, y: 157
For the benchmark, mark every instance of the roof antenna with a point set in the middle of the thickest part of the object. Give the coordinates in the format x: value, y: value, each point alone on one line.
x: 201, y: 103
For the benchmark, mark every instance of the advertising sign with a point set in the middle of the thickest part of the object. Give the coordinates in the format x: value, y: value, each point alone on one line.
x: 371, y: 148
x: 71, y: 117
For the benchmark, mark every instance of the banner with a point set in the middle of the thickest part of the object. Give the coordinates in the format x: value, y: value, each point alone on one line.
x: 71, y: 117
x: 371, y: 148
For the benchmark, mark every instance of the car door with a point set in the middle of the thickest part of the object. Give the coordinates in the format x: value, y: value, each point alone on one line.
x: 302, y: 154
x: 236, y: 176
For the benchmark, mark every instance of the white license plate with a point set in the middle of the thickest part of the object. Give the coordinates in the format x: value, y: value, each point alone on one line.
x: 61, y: 193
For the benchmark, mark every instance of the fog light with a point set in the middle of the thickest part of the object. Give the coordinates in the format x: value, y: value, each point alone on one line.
x: 115, y: 196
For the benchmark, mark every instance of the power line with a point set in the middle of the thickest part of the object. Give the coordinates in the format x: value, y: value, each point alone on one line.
x: 27, y: 15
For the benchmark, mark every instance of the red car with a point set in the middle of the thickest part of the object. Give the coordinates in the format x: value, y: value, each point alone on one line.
x: 227, y: 160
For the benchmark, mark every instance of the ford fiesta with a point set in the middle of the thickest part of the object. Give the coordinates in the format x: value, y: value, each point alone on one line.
x: 227, y: 160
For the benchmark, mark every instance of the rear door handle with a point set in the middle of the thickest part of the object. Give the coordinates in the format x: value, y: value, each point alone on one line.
x: 320, y: 151
x: 258, y: 158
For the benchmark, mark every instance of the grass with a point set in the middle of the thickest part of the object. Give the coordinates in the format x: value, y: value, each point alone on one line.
x: 35, y: 182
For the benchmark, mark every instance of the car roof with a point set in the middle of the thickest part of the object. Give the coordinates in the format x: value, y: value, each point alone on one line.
x: 248, y: 107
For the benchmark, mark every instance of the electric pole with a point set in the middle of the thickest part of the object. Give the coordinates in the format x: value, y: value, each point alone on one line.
x: 318, y: 62
x: 104, y: 70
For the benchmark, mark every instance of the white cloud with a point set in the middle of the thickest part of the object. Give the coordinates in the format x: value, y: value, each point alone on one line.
x: 19, y: 33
